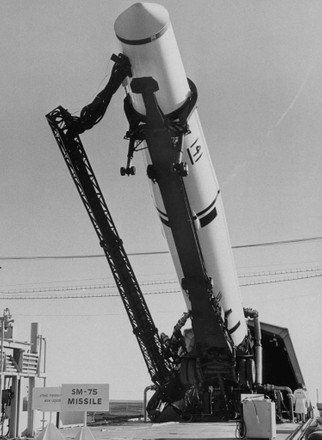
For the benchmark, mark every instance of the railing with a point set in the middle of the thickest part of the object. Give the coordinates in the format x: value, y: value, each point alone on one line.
x: 29, y: 364
x: 301, y: 431
x: 10, y: 365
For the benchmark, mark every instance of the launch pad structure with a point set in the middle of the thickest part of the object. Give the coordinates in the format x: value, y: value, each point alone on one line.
x: 230, y: 355
x: 20, y: 364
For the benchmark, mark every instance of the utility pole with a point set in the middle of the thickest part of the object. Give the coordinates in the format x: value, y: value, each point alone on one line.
x: 32, y: 379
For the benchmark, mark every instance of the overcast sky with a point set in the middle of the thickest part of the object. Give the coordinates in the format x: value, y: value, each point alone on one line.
x: 258, y: 69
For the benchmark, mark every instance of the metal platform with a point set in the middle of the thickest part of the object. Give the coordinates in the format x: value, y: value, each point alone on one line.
x: 178, y: 431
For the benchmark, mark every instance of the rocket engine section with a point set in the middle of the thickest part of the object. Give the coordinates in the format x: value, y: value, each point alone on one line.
x: 183, y: 180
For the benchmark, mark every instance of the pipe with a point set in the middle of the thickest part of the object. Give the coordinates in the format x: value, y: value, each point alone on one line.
x: 289, y: 399
x: 258, y: 352
x: 269, y: 388
x: 146, y: 389
x: 253, y: 314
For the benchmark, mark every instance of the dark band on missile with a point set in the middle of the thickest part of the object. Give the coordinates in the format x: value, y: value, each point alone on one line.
x: 204, y: 221
x: 164, y: 218
x: 233, y: 329
x: 210, y: 206
x: 165, y: 222
x: 207, y: 209
x: 212, y: 213
x: 144, y: 40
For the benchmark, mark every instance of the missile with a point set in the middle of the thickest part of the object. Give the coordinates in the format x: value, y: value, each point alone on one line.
x: 146, y: 37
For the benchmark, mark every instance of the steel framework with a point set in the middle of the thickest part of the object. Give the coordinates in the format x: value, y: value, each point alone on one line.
x: 160, y: 368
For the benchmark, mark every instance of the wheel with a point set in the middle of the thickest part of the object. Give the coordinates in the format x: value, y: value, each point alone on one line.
x: 151, y: 173
x: 132, y: 171
x: 122, y: 171
x: 183, y: 169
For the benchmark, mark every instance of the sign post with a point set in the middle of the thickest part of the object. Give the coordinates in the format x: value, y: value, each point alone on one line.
x: 85, y: 397
x: 48, y: 399
x: 70, y: 397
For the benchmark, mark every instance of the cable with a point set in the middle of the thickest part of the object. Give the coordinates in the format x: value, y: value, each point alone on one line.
x: 70, y: 257
x: 273, y: 243
x: 78, y: 295
x: 240, y: 431
x: 279, y: 272
x: 7, y: 296
x: 63, y: 257
x: 311, y: 273
x: 280, y: 280
x: 85, y: 287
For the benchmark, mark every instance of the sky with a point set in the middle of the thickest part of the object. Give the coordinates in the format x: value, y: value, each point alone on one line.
x: 258, y: 69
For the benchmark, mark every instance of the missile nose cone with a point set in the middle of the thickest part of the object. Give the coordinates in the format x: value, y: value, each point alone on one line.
x: 141, y: 23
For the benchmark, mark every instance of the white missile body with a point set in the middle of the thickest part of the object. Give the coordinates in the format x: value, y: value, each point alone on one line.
x: 147, y: 39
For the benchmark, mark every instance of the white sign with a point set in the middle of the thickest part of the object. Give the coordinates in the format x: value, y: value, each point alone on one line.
x: 86, y: 397
x: 47, y: 399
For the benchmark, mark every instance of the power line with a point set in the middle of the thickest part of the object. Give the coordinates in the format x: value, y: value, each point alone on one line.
x: 273, y: 243
x: 33, y: 295
x: 80, y: 287
x: 79, y: 295
x: 280, y: 272
x: 111, y: 285
x: 71, y: 257
x: 281, y: 280
x: 137, y: 254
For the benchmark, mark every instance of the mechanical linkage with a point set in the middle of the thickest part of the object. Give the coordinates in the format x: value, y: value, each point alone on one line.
x: 92, y: 113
